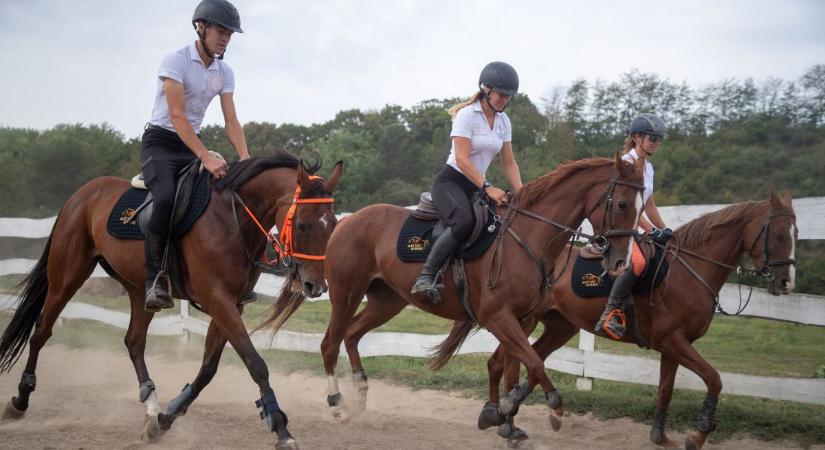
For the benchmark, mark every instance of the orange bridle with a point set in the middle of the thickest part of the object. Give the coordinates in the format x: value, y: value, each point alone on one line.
x: 285, y: 248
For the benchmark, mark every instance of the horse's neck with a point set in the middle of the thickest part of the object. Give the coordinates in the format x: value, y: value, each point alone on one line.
x: 725, y: 245
x: 265, y: 195
x: 564, y: 206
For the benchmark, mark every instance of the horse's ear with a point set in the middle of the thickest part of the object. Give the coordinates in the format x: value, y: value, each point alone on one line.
x: 303, y: 179
x: 787, y: 200
x: 330, y: 184
x: 773, y: 198
x: 625, y: 169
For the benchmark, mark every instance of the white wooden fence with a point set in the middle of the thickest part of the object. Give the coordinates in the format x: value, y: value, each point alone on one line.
x: 584, y: 362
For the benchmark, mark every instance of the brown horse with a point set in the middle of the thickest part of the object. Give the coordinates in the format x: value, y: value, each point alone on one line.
x: 218, y: 254
x: 362, y: 259
x: 702, y: 254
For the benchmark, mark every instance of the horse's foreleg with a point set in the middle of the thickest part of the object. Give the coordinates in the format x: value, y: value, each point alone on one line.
x: 227, y: 318
x: 213, y: 349
x: 684, y: 354
x: 512, y: 336
x: 344, y: 301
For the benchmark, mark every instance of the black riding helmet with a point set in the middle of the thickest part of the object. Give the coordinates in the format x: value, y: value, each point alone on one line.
x: 647, y: 124
x: 219, y: 12
x: 499, y: 76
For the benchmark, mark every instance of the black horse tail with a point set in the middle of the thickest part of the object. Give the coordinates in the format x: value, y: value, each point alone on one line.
x: 285, y: 305
x: 443, y: 352
x: 32, y: 290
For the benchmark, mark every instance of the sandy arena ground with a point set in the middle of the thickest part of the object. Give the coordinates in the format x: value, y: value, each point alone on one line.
x: 88, y: 399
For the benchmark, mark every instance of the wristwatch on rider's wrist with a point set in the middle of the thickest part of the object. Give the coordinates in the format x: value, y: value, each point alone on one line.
x: 485, y: 185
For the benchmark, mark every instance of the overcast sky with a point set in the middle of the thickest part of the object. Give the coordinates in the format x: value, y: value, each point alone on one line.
x: 94, y: 61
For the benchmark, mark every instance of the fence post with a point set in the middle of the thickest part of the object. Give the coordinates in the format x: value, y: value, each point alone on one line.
x: 587, y: 343
x: 184, y: 315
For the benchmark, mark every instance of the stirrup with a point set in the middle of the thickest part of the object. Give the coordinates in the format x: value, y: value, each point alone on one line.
x: 605, y: 329
x: 154, y: 302
x: 429, y: 290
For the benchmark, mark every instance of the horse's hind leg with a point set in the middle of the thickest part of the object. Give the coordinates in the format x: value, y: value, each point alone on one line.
x: 382, y: 305
x: 67, y: 270
x: 135, y: 342
x: 213, y: 349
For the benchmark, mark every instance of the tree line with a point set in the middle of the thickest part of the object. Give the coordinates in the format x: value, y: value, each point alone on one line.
x: 726, y: 142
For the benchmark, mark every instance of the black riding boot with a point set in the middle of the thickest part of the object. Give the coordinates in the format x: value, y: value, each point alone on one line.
x: 439, y: 252
x: 157, y: 290
x: 613, y: 323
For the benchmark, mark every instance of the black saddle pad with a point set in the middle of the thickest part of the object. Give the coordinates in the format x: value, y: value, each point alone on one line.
x: 415, y: 239
x: 586, y: 281
x: 133, y: 198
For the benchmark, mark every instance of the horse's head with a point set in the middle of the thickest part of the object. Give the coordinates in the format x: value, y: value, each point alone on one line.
x: 615, y: 223
x: 307, y: 227
x: 771, y: 240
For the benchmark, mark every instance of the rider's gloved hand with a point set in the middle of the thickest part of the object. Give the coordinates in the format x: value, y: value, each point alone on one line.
x: 661, y: 236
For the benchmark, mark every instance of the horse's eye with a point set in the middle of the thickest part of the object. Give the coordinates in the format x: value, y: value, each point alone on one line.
x: 623, y: 205
x: 302, y: 226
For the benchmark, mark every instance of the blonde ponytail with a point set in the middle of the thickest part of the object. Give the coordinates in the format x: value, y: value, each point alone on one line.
x: 474, y: 98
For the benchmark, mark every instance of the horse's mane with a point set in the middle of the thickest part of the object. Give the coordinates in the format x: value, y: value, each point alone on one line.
x: 536, y: 189
x: 242, y: 171
x: 695, y: 232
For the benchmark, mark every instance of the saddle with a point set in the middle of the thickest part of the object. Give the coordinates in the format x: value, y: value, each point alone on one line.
x: 424, y: 226
x: 130, y: 216
x: 590, y: 280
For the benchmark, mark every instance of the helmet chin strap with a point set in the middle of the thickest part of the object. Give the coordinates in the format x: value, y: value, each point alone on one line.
x: 487, y: 98
x: 202, y: 37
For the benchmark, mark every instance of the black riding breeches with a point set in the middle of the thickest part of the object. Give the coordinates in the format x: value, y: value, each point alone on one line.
x: 162, y: 155
x: 451, y: 193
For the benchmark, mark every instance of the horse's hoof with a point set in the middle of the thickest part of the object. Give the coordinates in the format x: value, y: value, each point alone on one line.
x: 340, y: 414
x: 151, y: 429
x: 489, y: 416
x: 694, y: 442
x: 12, y: 413
x: 287, y: 444
x: 555, y: 420
x: 165, y: 421
x: 361, y: 403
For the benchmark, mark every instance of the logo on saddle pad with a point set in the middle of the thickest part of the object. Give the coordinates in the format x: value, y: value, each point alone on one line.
x: 591, y: 280
x: 417, y: 244
x: 126, y: 216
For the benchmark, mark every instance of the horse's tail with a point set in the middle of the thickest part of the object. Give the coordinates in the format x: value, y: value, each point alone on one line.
x: 285, y: 305
x: 32, y: 289
x: 443, y: 352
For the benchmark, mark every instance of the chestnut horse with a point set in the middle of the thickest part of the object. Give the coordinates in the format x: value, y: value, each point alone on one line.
x: 362, y: 259
x: 218, y: 269
x: 702, y: 254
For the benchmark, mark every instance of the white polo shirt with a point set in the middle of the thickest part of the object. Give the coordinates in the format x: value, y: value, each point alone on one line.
x: 485, y: 143
x: 632, y: 156
x: 200, y: 85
